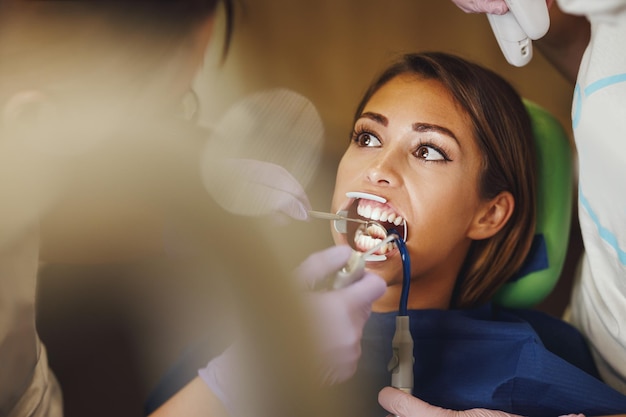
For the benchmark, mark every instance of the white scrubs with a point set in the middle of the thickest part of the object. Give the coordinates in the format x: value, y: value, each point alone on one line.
x: 27, y: 386
x: 598, y: 305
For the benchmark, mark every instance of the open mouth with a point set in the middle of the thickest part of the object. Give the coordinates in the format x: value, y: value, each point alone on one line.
x: 381, y: 219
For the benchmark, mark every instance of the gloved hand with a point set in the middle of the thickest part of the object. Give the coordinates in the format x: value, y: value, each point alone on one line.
x: 402, y: 404
x: 250, y: 187
x: 338, y: 317
x: 486, y: 6
x: 482, y: 6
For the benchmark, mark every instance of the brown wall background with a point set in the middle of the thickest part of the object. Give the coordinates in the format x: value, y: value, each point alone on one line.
x: 330, y: 50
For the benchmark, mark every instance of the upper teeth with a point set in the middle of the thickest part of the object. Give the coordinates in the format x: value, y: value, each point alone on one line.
x: 379, y: 214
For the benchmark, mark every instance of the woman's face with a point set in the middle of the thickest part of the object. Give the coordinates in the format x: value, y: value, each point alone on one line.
x: 414, y: 149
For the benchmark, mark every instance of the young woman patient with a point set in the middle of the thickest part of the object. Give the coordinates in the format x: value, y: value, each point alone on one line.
x: 442, y: 154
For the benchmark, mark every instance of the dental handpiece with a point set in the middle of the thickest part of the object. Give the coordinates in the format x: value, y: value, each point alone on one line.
x: 401, y: 363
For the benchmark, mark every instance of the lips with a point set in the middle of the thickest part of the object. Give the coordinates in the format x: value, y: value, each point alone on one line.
x: 384, y: 220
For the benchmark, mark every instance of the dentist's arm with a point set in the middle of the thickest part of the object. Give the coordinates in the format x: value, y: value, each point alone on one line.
x: 563, y: 45
x: 566, y: 41
x: 338, y: 318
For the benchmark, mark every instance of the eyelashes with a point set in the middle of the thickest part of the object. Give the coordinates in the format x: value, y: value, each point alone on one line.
x: 365, y: 138
x: 425, y: 150
x: 431, y: 153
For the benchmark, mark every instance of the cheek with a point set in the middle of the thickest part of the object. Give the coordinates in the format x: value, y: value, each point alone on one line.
x: 447, y: 193
x: 441, y: 210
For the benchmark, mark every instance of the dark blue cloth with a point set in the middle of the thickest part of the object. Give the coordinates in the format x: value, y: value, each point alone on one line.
x: 536, y: 260
x: 520, y: 361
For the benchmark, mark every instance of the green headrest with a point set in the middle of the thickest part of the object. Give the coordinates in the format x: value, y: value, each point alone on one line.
x: 554, y: 211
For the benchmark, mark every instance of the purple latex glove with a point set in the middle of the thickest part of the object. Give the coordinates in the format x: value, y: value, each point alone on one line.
x: 338, y: 316
x: 401, y: 404
x: 250, y: 187
x: 482, y: 6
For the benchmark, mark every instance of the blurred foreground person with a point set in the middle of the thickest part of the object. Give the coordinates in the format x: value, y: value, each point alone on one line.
x: 94, y: 100
x: 73, y: 77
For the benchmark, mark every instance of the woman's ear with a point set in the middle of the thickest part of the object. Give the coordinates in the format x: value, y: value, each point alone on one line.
x: 492, y: 216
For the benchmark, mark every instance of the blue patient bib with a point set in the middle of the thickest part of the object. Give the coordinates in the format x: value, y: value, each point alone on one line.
x: 519, y: 361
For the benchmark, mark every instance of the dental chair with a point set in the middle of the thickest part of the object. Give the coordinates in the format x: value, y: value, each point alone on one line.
x: 544, y: 263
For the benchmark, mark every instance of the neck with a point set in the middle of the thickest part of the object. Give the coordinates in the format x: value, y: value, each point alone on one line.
x: 436, y: 294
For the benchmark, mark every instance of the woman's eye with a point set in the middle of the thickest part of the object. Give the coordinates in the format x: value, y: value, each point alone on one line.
x: 428, y: 153
x: 366, y: 139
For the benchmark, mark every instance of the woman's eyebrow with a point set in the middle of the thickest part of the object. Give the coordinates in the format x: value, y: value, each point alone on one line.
x: 417, y: 127
x: 427, y: 127
x: 378, y: 118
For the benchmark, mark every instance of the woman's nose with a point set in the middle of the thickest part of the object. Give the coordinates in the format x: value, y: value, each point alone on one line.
x: 384, y: 170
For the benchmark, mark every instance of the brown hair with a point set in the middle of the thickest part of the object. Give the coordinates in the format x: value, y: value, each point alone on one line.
x: 45, y: 42
x: 167, y: 14
x: 503, y: 132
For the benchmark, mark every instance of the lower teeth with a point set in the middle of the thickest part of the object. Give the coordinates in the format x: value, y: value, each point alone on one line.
x: 365, y: 242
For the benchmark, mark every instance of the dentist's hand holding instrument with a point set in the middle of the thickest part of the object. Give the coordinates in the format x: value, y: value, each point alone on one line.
x: 338, y: 316
x: 257, y: 173
x: 338, y: 320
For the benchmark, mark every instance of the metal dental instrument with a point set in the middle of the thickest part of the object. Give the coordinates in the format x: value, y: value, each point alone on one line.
x: 332, y: 216
x: 340, y: 219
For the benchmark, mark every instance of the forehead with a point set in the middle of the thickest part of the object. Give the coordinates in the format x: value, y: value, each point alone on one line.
x: 425, y: 100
